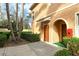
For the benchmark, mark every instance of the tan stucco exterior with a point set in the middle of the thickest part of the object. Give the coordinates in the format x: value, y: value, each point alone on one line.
x: 65, y: 12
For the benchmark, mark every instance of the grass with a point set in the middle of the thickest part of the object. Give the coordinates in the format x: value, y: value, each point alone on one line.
x: 59, y: 44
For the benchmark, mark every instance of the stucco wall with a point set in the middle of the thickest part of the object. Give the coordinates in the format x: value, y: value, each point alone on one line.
x: 41, y: 11
x: 67, y: 15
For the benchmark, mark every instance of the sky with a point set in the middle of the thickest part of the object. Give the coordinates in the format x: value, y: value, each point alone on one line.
x: 12, y: 7
x: 12, y: 10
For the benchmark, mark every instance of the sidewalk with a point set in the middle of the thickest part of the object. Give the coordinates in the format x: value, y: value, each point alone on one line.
x: 31, y: 49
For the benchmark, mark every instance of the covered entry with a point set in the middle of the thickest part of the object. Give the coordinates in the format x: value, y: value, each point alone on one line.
x: 60, y: 28
x: 46, y: 33
x: 45, y: 30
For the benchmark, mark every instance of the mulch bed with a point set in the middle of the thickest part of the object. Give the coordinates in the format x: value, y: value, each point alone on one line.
x: 17, y: 43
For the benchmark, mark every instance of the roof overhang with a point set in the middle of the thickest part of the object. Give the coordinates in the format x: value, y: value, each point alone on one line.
x: 44, y: 19
x: 33, y: 6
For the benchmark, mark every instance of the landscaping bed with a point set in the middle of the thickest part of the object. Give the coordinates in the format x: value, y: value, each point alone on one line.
x: 29, y: 36
x: 4, y: 36
x: 71, y: 47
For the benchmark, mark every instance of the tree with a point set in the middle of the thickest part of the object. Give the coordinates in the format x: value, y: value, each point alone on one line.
x: 22, y: 17
x: 21, y: 21
x: 17, y: 16
x: 15, y: 25
x: 0, y: 11
x: 27, y: 20
x: 9, y: 22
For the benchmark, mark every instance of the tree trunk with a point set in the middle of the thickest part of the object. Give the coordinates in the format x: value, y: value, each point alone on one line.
x: 17, y: 23
x: 21, y: 19
x: 0, y: 11
x: 9, y: 22
x: 17, y: 16
x: 22, y: 16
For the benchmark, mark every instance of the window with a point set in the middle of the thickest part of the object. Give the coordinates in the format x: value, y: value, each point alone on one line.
x: 78, y: 19
x: 77, y: 25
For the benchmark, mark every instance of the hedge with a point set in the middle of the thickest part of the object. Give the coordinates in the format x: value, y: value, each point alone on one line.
x: 28, y: 36
x: 63, y: 52
x: 6, y: 33
x: 3, y: 39
x: 4, y: 36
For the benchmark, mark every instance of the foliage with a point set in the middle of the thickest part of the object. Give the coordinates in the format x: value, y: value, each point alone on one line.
x: 6, y: 33
x: 65, y: 41
x: 30, y: 37
x: 3, y: 39
x: 60, y: 44
x: 73, y: 40
x: 72, y: 46
x: 63, y: 52
x: 26, y: 25
x: 14, y: 26
x: 27, y: 20
x: 3, y: 23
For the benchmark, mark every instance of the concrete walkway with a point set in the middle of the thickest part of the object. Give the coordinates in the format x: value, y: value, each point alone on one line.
x: 31, y: 49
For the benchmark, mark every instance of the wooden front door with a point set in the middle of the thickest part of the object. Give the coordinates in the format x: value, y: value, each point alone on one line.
x: 46, y: 33
x: 63, y: 31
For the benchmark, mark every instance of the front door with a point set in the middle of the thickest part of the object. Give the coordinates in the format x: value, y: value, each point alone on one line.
x: 46, y: 33
x: 63, y: 31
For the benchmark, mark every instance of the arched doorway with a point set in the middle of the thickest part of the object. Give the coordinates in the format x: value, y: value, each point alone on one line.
x: 60, y: 29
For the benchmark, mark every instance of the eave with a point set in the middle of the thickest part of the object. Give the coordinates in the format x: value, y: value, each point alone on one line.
x: 33, y: 6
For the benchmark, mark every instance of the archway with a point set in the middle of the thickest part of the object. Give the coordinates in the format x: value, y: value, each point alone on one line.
x: 60, y: 29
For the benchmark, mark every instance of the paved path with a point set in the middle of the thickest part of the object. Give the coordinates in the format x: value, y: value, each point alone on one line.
x: 31, y: 49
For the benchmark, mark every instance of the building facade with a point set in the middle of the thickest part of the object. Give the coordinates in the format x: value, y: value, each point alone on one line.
x: 55, y: 20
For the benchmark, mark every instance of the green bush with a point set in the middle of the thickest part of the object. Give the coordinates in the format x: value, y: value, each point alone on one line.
x: 65, y: 41
x: 73, y: 46
x: 6, y: 33
x: 3, y: 39
x: 74, y: 40
x: 63, y: 52
x: 28, y: 36
x: 34, y: 37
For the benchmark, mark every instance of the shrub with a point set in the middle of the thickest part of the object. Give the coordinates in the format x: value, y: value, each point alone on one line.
x: 65, y: 41
x: 63, y: 52
x: 74, y: 40
x: 3, y: 39
x: 28, y: 36
x: 34, y: 37
x: 6, y: 33
x: 73, y: 47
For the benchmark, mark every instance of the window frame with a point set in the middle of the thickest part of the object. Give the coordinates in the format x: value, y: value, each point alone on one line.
x: 76, y: 25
